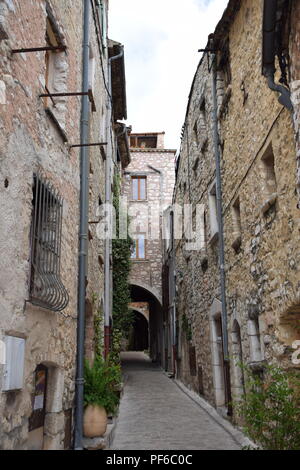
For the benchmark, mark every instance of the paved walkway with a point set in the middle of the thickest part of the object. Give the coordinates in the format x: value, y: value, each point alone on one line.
x: 156, y: 415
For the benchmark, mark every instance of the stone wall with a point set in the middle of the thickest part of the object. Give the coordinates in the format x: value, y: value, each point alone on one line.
x: 196, y: 267
x: 30, y: 141
x: 295, y: 79
x: 100, y: 121
x: 146, y: 215
x: 263, y: 272
x: 261, y: 220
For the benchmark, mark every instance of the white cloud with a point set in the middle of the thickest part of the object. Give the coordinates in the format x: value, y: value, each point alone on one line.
x: 161, y: 39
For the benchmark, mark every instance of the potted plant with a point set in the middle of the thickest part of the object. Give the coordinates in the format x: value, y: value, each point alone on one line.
x: 101, y: 397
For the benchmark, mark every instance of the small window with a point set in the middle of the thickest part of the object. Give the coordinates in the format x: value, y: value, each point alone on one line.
x: 236, y: 225
x: 147, y: 142
x: 213, y: 214
x: 46, y: 288
x: 269, y: 179
x: 139, y: 248
x: 195, y: 134
x: 203, y: 118
x: 139, y: 188
x: 224, y: 64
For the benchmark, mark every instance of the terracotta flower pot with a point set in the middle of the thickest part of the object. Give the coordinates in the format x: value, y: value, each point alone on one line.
x: 94, y: 421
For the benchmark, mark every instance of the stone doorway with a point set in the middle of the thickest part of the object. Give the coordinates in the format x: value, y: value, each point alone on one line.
x: 37, y: 418
x: 46, y: 431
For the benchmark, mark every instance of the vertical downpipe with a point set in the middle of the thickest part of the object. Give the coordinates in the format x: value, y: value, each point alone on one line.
x: 83, y: 235
x: 107, y: 241
x: 217, y: 151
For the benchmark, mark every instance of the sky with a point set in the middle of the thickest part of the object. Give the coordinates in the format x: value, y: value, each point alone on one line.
x: 161, y: 39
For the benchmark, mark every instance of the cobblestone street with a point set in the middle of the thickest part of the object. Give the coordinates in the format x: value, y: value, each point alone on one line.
x: 156, y: 415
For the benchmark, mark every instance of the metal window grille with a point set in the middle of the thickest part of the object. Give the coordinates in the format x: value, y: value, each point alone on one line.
x: 46, y: 288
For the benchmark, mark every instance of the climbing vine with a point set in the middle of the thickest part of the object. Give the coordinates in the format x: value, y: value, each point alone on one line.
x: 121, y: 256
x: 186, y: 327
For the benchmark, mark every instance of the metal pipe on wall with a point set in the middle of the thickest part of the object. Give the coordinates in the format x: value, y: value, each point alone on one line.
x: 83, y: 229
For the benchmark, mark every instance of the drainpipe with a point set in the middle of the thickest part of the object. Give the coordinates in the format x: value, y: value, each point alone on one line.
x: 269, y: 52
x: 83, y: 235
x: 217, y: 151
x: 108, y: 201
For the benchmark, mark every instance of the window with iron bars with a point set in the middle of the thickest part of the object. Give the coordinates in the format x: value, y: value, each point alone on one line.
x: 46, y: 287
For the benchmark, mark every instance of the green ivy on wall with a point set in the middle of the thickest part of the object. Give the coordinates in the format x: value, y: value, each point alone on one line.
x: 121, y: 256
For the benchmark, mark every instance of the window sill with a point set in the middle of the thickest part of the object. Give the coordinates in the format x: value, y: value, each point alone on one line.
x: 54, y: 120
x: 268, y: 203
x: 138, y: 200
x: 140, y: 260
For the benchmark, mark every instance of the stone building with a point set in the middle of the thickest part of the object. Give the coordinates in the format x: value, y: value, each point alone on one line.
x: 293, y: 53
x: 41, y: 152
x: 238, y: 282
x: 148, y: 184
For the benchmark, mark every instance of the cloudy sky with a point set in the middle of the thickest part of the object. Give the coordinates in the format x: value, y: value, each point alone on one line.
x: 161, y: 39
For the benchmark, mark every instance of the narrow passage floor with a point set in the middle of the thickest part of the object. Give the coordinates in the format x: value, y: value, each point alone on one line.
x: 155, y: 414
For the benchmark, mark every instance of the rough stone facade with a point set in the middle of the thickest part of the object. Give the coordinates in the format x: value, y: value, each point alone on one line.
x: 294, y: 53
x: 259, y: 206
x: 36, y: 137
x: 197, y: 274
x: 155, y: 166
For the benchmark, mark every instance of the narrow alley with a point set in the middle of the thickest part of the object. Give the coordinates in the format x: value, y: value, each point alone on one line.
x: 150, y: 222
x: 156, y: 414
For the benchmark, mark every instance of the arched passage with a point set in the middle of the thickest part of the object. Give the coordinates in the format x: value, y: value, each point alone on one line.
x: 139, y: 338
x: 142, y: 293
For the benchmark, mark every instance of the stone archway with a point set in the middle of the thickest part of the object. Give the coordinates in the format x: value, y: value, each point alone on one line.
x: 141, y: 293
